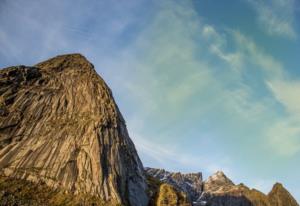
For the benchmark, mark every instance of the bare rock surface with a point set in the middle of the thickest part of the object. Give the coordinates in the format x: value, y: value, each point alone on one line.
x: 219, y: 190
x: 190, y: 183
x: 279, y: 196
x: 60, y: 125
x: 165, y: 194
x: 168, y: 195
x: 218, y: 182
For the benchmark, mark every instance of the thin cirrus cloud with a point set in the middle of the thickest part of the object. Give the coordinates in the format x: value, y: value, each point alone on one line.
x: 169, y: 55
x: 282, y: 132
x: 284, y: 135
x: 196, y: 96
x: 276, y: 17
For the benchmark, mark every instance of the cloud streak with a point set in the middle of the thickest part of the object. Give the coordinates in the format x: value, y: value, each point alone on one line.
x: 276, y: 17
x: 196, y: 96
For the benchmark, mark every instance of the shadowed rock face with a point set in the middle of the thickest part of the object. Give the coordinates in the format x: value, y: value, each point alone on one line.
x: 59, y: 124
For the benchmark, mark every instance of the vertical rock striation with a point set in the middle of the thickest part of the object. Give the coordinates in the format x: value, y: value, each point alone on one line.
x: 59, y: 124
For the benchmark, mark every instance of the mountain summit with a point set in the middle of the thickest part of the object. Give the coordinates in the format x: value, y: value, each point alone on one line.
x: 60, y: 125
x: 279, y: 196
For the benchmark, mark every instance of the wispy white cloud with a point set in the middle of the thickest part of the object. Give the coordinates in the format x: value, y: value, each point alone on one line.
x: 217, y: 47
x: 172, y: 158
x: 283, y: 131
x: 285, y: 134
x: 40, y: 29
x: 276, y: 17
x: 271, y: 67
x: 287, y: 92
x: 175, y: 72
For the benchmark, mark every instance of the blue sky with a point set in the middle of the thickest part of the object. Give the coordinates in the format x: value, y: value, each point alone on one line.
x: 204, y: 85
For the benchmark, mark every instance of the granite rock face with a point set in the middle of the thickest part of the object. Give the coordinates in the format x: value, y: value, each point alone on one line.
x: 59, y: 124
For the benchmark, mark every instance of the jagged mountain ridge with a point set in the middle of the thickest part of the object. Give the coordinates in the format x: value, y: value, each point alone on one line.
x: 218, y: 190
x: 191, y: 183
x: 59, y: 124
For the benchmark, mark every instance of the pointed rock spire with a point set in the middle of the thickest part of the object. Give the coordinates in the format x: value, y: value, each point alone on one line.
x: 279, y: 196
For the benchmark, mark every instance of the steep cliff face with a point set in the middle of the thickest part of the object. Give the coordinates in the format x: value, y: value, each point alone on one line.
x: 59, y: 124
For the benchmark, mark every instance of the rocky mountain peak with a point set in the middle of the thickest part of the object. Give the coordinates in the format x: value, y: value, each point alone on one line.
x: 218, y: 176
x: 217, y: 181
x: 60, y: 125
x: 279, y: 196
x: 277, y: 187
x: 66, y: 62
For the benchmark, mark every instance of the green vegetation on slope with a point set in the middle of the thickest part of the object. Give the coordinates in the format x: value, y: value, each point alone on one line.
x: 17, y: 192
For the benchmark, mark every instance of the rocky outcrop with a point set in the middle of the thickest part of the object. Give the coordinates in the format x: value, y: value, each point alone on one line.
x: 168, y: 195
x: 191, y: 183
x: 218, y: 182
x: 59, y: 124
x: 165, y: 194
x: 279, y: 196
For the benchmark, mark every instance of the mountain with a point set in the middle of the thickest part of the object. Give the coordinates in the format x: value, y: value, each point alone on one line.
x: 60, y: 126
x: 219, y: 190
x: 191, y: 183
x: 164, y: 194
x: 279, y: 196
x: 217, y: 182
x: 63, y: 141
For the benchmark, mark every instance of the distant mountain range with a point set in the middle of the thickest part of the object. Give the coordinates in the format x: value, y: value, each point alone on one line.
x: 63, y: 141
x: 219, y: 190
